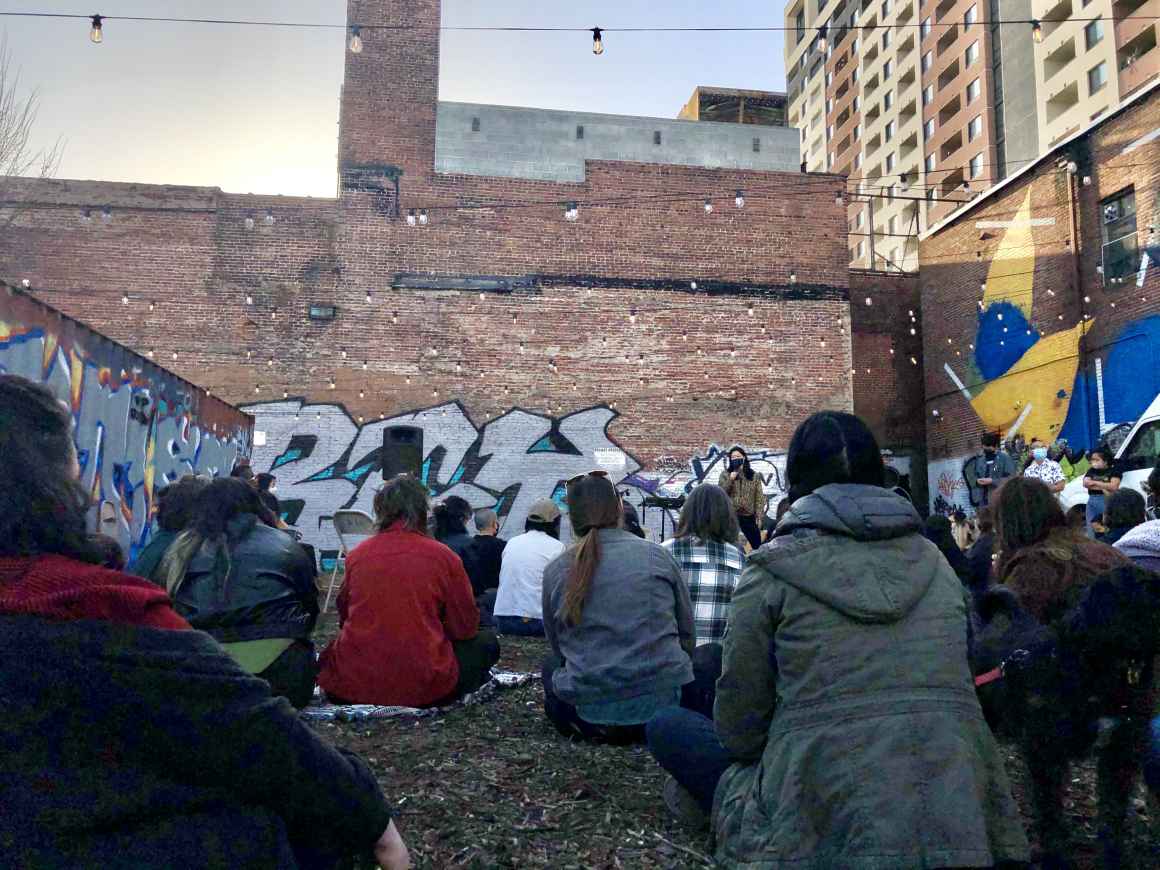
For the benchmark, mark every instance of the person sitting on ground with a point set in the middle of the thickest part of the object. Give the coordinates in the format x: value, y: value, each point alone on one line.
x: 174, y: 512
x: 618, y: 617
x: 705, y: 548
x: 847, y: 732
x: 483, y: 566
x: 937, y: 530
x: 1046, y: 570
x: 112, y: 556
x: 451, y: 517
x: 981, y: 555
x: 962, y: 530
x: 251, y: 587
x: 409, y: 631
x: 130, y: 740
x: 519, y: 601
x: 1125, y: 510
x: 1043, y: 469
x: 267, y: 485
x: 632, y: 522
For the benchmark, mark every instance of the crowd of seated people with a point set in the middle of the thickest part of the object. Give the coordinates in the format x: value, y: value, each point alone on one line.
x: 828, y: 700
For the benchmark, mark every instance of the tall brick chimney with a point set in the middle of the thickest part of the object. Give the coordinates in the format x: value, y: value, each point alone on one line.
x: 390, y: 89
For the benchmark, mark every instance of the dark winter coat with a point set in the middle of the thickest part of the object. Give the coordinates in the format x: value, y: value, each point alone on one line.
x: 269, y: 590
x: 130, y: 747
x: 847, y: 701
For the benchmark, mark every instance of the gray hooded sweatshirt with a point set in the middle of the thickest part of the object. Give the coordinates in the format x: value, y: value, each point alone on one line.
x: 847, y: 700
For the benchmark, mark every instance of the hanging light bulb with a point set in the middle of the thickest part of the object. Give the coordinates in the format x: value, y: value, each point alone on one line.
x: 739, y: 200
x: 269, y: 220
x: 422, y: 217
x: 249, y: 299
x: 96, y: 34
x: 632, y: 316
x: 793, y: 277
x: 597, y: 41
x: 356, y: 43
x: 904, y: 178
x: 821, y: 41
x: 249, y: 222
x: 708, y: 207
x: 1036, y: 30
x: 411, y: 221
x: 571, y: 212
x: 124, y: 299
x: 839, y: 198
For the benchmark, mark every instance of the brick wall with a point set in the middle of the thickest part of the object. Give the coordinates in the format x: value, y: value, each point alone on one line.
x: 1014, y: 252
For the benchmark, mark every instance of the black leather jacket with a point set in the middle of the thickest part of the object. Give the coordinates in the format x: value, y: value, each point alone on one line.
x: 269, y: 591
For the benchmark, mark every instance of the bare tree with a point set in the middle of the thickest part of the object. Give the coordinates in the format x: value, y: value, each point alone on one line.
x: 18, y: 157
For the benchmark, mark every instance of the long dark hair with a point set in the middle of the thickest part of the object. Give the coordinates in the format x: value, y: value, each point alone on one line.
x: 832, y: 447
x: 451, y: 516
x: 1025, y: 512
x: 746, y: 468
x: 1125, y: 509
x: 217, y: 504
x: 175, y: 503
x: 592, y: 505
x: 402, y: 498
x: 42, y: 505
x: 708, y: 514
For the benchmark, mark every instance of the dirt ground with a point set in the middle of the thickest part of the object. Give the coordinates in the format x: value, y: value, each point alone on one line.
x: 494, y: 785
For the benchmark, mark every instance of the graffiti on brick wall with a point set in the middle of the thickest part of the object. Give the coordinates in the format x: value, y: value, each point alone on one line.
x: 325, y: 462
x: 133, y: 433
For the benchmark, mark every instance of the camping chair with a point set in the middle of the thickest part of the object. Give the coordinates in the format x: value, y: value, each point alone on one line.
x: 347, y: 524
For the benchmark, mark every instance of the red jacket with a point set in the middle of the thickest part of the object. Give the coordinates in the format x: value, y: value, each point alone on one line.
x: 56, y: 587
x: 406, y: 597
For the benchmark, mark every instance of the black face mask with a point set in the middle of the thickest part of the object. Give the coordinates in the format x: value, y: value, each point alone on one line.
x: 989, y: 452
x: 735, y: 464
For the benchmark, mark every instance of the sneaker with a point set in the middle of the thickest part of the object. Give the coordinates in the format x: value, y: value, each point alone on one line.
x: 683, y: 805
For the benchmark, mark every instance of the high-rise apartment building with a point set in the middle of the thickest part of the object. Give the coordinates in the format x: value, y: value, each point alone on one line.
x: 1090, y: 66
x: 919, y: 102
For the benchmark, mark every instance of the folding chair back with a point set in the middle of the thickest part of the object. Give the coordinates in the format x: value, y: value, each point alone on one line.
x: 352, y: 527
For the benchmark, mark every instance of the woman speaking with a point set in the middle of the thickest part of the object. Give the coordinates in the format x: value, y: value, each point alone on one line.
x: 745, y: 489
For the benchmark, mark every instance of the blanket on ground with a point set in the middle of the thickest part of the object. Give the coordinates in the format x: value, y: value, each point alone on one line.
x: 321, y: 711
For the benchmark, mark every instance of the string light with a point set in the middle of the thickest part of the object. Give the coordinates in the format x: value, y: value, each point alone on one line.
x: 1036, y: 30
x: 356, y: 43
x: 124, y: 299
x: 597, y: 41
x: 422, y: 217
x: 739, y: 200
x: 97, y: 33
x: 411, y: 220
x: 249, y: 299
x: 269, y: 220
x: 708, y: 207
x: 368, y: 297
x: 249, y: 222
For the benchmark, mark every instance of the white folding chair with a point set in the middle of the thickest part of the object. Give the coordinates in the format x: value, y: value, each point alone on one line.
x: 347, y: 525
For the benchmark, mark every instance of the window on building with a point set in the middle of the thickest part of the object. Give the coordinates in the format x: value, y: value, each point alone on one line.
x: 931, y: 195
x: 924, y: 28
x: 861, y: 249
x: 860, y: 220
x: 829, y: 132
x: 887, y: 100
x: 889, y: 131
x: 927, y: 61
x: 1093, y: 33
x: 975, y: 128
x: 886, y: 8
x: 857, y: 103
x: 971, y: 16
x: 799, y: 22
x: 885, y: 40
x: 929, y: 163
x: 857, y: 134
x: 973, y: 91
x: 854, y: 74
x: 976, y: 168
x: 887, y: 70
x: 972, y: 54
x: 890, y: 162
x: 830, y: 160
x: 928, y: 95
x: 891, y: 225
x: 890, y: 193
x: 858, y: 160
x: 829, y: 105
x: 1118, y: 229
x: 829, y: 79
x: 928, y: 128
x: 1097, y: 77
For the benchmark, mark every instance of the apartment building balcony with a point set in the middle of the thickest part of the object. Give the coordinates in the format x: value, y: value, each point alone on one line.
x: 948, y: 74
x: 944, y: 8
x: 1138, y: 62
x: 1059, y: 56
x: 1140, y: 15
x: 1062, y: 102
x: 950, y: 109
x: 906, y: 12
x: 1052, y: 13
x: 907, y: 43
x: 950, y: 146
x: 1060, y: 35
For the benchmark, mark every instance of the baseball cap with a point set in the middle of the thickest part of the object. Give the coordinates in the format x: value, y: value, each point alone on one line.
x: 543, y: 511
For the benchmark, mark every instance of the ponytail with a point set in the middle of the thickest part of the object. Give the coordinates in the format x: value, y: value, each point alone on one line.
x: 170, y: 573
x: 586, y: 558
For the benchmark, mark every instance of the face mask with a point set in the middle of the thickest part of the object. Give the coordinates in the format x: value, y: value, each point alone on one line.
x: 273, y: 489
x: 1098, y: 465
x: 1039, y: 453
x: 735, y: 464
x: 989, y: 452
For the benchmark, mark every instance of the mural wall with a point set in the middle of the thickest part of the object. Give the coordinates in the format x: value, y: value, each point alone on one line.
x: 138, y: 427
x: 325, y: 462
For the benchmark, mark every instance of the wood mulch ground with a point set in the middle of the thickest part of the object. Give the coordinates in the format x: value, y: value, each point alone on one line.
x: 494, y: 785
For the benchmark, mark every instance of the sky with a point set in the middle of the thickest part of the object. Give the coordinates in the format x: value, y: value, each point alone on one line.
x: 255, y: 110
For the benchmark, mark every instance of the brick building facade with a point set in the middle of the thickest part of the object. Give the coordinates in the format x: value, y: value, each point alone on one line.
x: 1042, y: 298
x: 521, y: 341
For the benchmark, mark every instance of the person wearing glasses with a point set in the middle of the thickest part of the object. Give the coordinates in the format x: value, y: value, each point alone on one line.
x: 618, y: 618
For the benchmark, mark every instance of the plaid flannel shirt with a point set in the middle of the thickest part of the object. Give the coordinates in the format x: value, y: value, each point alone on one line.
x: 711, y: 569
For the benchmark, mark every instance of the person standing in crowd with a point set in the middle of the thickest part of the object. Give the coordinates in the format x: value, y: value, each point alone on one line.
x: 618, y: 618
x: 987, y: 471
x: 249, y: 586
x: 409, y: 631
x: 1043, y: 469
x: 175, y: 506
x: 744, y: 486
x: 520, y: 600
x: 1124, y: 511
x: 705, y: 546
x: 846, y: 732
x: 1046, y: 565
x: 1101, y: 481
x: 962, y: 530
x: 158, y: 748
x: 982, y: 552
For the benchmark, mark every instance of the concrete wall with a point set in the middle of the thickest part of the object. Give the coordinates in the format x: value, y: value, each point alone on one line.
x: 138, y: 426
x: 542, y: 144
x: 1020, y: 98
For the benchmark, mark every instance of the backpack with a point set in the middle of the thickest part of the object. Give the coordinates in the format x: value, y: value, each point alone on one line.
x: 1073, y: 679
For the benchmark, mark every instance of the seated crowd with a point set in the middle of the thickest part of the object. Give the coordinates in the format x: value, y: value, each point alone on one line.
x: 825, y: 699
